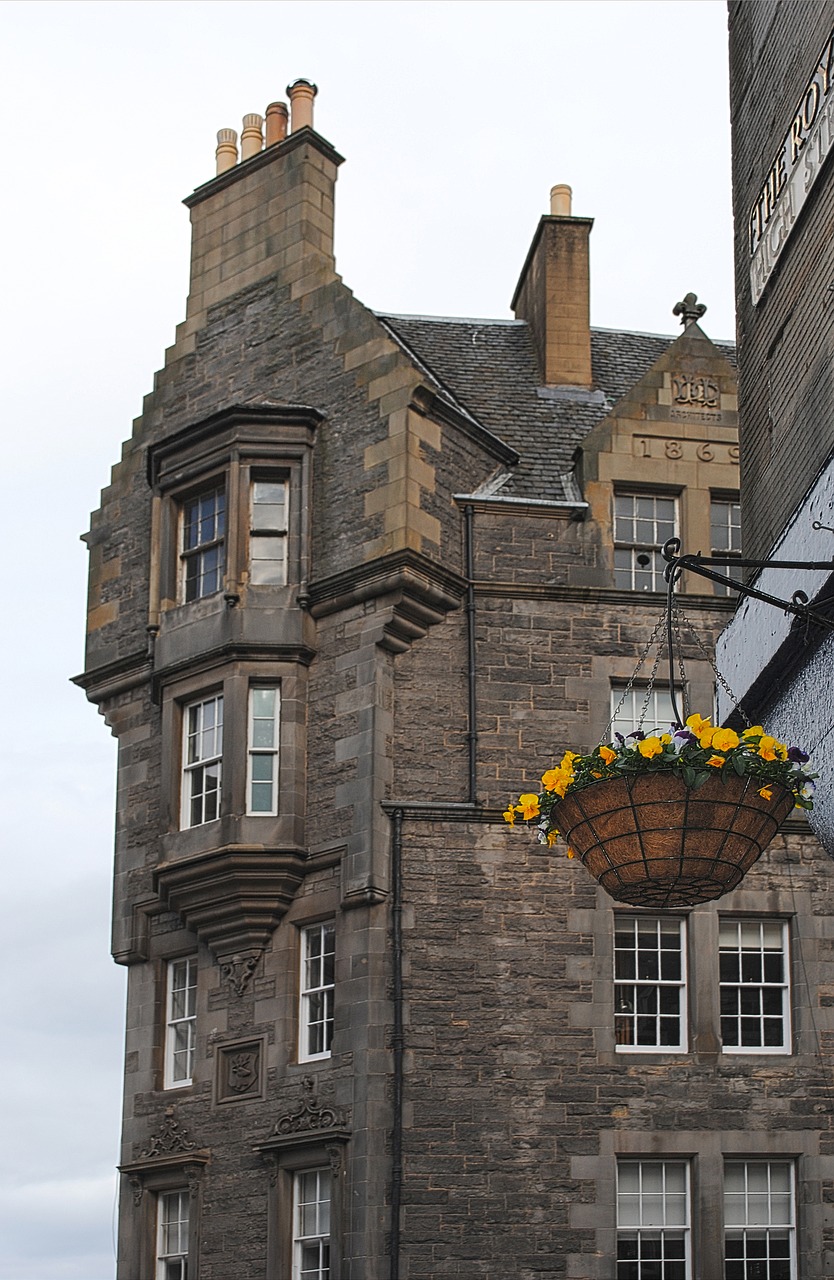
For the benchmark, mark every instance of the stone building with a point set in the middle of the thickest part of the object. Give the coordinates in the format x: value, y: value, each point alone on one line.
x: 782, y: 88
x: 356, y: 579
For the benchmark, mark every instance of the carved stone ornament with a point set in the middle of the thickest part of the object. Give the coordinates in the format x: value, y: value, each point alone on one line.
x: 169, y: 1139
x: 690, y: 309
x: 309, y: 1117
x: 137, y: 1186
x: 239, y: 1071
x: 238, y: 970
x: 702, y: 392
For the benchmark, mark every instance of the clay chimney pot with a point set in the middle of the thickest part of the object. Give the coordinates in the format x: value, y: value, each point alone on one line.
x: 226, y: 152
x: 252, y: 137
x: 560, y: 201
x: 276, y: 123
x: 301, y: 95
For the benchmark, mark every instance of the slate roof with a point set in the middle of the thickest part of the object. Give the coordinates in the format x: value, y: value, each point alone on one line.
x: 489, y: 368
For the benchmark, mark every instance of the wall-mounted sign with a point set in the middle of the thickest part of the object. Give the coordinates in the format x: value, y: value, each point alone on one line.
x: 793, y: 173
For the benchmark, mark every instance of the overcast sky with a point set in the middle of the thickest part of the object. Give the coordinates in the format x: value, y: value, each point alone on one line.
x: 455, y: 120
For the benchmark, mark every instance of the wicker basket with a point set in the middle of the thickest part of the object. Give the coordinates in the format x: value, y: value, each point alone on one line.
x: 653, y: 842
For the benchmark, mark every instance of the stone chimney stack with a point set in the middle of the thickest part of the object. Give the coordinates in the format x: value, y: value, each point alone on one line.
x: 268, y: 214
x: 553, y: 294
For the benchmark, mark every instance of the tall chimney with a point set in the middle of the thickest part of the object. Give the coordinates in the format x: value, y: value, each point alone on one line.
x: 271, y: 217
x: 553, y: 294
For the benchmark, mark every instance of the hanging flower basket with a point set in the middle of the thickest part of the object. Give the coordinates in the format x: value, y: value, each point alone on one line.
x: 670, y: 819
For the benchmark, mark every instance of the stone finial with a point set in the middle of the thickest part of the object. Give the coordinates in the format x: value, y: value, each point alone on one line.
x: 690, y: 310
x: 301, y: 94
x: 226, y: 153
x: 560, y: 200
x: 276, y: 123
x: 252, y: 137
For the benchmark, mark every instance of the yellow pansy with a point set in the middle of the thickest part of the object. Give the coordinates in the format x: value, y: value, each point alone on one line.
x: 551, y: 778
x: 607, y: 755
x: 650, y: 747
x: 665, y: 738
x: 755, y: 731
x: 706, y: 736
x: 571, y: 853
x: 697, y: 724
x: 767, y: 747
x: 528, y: 805
x: 509, y: 815
x: 725, y: 739
x: 552, y: 837
x: 717, y: 762
x: 766, y: 793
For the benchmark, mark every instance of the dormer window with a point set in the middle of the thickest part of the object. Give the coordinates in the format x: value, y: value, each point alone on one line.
x: 203, y: 543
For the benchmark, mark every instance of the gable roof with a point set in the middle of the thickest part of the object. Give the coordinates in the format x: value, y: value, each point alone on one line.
x: 489, y: 367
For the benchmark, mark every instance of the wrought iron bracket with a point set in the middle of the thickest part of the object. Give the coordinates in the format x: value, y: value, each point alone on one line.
x: 705, y: 567
x: 798, y: 603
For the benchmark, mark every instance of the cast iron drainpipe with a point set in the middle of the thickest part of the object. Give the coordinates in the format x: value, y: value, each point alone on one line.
x: 397, y: 1043
x: 472, y: 709
x: 397, y: 1038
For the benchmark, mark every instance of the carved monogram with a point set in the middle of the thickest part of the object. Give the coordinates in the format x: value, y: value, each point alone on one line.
x: 700, y: 391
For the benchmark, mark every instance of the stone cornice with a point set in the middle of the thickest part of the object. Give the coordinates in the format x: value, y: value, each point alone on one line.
x: 299, y: 418
x: 234, y: 651
x: 599, y: 595
x: 417, y: 592
x: 261, y: 160
x: 114, y: 678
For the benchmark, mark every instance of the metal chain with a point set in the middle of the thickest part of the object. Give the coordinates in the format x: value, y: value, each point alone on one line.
x: 676, y: 627
x: 646, y: 651
x: 711, y: 660
x: 650, y: 687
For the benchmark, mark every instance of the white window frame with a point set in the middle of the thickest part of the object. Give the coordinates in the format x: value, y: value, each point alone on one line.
x: 659, y: 713
x: 742, y: 1224
x: 751, y: 984
x: 262, y: 757
x: 729, y: 531
x: 180, y: 1020
x: 650, y: 1211
x: 318, y: 989
x: 318, y: 1209
x: 172, y: 1229
x: 268, y: 532
x: 629, y: 546
x: 204, y: 549
x: 626, y: 989
x: 202, y: 750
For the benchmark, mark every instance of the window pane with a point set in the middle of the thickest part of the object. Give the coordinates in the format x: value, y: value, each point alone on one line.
x: 754, y: 985
x: 317, y: 990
